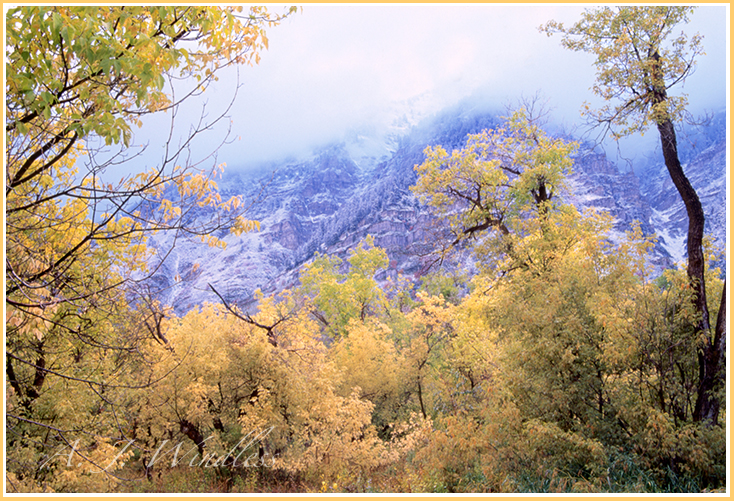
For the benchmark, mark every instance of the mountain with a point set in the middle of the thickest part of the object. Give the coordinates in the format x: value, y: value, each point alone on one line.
x: 329, y: 202
x: 703, y: 154
x: 598, y: 183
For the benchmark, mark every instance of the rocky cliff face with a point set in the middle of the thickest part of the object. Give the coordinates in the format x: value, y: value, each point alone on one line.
x: 598, y: 183
x: 330, y: 202
x: 703, y: 153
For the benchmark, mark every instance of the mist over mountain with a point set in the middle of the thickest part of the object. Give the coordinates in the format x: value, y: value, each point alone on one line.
x: 331, y: 199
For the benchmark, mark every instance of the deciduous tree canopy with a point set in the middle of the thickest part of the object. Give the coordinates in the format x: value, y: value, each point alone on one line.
x: 78, y: 80
x: 563, y: 363
x: 640, y: 58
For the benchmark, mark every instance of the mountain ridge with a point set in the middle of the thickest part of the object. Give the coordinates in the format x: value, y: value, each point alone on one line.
x: 329, y: 201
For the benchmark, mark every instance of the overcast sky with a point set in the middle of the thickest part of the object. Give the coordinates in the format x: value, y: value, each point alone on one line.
x: 331, y: 68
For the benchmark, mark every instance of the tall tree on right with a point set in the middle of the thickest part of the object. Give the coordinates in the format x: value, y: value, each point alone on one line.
x: 639, y: 57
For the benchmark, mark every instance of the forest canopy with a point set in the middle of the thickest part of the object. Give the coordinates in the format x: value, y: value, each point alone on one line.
x: 566, y: 363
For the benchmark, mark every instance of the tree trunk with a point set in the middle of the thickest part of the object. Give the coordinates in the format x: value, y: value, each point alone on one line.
x: 710, y: 352
x: 696, y: 219
x: 192, y: 431
x: 420, y: 399
x: 712, y: 362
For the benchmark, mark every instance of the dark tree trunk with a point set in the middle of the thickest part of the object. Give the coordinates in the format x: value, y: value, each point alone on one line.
x: 192, y: 431
x: 712, y: 364
x: 696, y: 219
x: 710, y: 353
x: 420, y: 399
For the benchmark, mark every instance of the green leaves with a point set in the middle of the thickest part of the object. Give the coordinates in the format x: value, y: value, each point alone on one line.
x: 96, y: 60
x: 344, y: 297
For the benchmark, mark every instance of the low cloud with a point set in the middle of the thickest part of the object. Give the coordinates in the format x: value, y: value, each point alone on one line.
x: 330, y: 69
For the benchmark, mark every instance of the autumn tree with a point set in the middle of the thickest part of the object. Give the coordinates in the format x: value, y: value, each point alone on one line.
x: 640, y: 57
x: 228, y: 383
x: 503, y: 181
x: 368, y: 359
x: 339, y: 295
x: 78, y: 81
x: 569, y: 331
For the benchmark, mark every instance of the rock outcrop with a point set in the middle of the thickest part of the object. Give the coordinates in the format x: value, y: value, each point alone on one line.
x: 330, y: 202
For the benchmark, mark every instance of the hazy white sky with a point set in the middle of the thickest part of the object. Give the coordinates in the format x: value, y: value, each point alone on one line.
x: 332, y: 67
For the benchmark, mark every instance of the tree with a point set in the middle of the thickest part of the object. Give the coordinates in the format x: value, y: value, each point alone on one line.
x: 565, y: 329
x: 501, y: 183
x: 77, y: 76
x: 229, y: 383
x: 340, y: 297
x: 639, y: 59
x: 429, y: 329
x: 77, y: 80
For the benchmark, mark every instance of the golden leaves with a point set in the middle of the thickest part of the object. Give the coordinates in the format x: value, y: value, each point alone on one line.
x: 499, y: 180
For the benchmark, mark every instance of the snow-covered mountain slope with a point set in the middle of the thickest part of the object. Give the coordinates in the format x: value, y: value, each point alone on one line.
x: 598, y: 183
x: 703, y: 153
x: 330, y: 201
